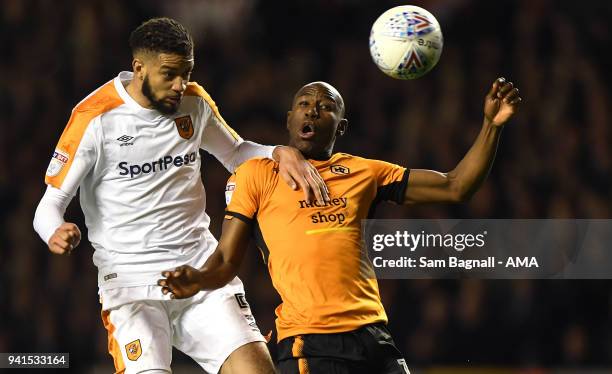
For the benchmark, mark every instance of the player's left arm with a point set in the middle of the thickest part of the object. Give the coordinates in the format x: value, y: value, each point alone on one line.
x: 463, y: 181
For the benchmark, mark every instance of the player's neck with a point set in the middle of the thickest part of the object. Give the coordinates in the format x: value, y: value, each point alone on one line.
x: 135, y: 91
x: 323, y: 156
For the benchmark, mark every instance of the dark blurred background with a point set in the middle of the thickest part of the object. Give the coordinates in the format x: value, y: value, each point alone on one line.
x: 554, y: 160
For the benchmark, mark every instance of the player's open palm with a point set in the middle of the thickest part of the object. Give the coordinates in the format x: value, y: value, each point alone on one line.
x: 501, y: 102
x: 65, y: 239
x: 181, y: 283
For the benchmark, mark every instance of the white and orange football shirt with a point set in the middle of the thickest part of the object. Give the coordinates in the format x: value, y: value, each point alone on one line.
x: 139, y: 176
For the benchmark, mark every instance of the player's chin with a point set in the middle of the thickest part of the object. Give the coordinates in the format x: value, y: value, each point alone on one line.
x: 173, y: 106
x: 304, y: 145
x: 168, y: 107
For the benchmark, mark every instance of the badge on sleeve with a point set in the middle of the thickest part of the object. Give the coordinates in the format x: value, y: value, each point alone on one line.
x: 58, y: 160
x: 229, y: 191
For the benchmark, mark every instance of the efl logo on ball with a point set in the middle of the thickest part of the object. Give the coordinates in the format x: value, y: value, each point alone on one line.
x: 406, y: 42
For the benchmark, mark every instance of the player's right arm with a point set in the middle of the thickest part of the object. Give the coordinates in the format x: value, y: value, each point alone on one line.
x: 220, y: 268
x: 72, y: 159
x: 74, y: 156
x: 61, y: 237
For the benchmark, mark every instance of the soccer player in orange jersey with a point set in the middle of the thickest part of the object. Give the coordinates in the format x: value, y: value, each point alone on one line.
x: 331, y: 319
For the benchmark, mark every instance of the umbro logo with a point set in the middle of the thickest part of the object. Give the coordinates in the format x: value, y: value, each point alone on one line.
x: 126, y: 140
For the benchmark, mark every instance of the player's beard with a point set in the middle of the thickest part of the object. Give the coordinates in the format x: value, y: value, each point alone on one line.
x: 158, y: 105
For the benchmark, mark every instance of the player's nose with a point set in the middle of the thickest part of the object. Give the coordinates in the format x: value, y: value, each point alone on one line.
x: 179, y: 85
x: 312, y: 112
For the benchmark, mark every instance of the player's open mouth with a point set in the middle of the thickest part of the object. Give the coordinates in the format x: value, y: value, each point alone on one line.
x: 307, y: 130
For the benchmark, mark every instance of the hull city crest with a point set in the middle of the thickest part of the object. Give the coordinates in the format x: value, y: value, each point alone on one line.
x: 184, y: 126
x: 133, y: 350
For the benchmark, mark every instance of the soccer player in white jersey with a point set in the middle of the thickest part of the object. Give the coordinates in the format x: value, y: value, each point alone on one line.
x: 132, y: 148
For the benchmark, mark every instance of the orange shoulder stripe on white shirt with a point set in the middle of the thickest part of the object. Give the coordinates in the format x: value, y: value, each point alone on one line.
x: 102, y: 100
x: 194, y: 89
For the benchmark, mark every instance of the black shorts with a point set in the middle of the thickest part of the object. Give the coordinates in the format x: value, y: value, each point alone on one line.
x: 368, y: 350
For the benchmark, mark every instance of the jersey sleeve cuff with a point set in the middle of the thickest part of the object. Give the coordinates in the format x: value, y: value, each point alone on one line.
x: 242, y: 217
x: 401, y: 195
x: 394, y: 191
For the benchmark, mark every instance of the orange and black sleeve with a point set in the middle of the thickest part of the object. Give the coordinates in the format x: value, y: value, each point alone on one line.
x: 391, y: 181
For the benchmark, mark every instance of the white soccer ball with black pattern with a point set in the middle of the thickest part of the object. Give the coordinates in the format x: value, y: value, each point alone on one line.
x: 406, y: 42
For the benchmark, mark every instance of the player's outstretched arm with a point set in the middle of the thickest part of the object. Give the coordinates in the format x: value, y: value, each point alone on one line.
x: 297, y: 172
x: 461, y: 183
x: 220, y: 268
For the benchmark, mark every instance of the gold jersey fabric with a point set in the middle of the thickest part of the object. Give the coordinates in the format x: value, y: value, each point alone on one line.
x: 314, y: 251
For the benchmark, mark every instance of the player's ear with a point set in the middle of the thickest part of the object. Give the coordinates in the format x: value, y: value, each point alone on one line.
x: 288, y: 116
x: 342, y: 126
x: 138, y: 68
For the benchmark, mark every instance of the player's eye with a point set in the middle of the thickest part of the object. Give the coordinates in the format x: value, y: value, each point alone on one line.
x: 303, y: 103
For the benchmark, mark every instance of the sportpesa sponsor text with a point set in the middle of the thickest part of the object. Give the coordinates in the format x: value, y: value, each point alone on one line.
x: 163, y: 163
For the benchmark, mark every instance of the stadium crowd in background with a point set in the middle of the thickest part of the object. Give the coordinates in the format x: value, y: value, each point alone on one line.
x: 554, y: 159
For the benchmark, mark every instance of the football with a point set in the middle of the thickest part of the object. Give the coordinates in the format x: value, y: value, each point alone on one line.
x: 406, y: 42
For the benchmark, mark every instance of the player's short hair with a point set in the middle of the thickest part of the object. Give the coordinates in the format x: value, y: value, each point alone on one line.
x: 161, y: 35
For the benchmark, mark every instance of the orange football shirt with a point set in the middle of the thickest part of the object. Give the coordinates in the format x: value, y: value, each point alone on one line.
x: 313, y: 251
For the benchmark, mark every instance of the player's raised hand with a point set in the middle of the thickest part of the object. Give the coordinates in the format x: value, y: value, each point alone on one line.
x: 501, y: 102
x: 180, y: 283
x: 297, y: 172
x: 65, y: 239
